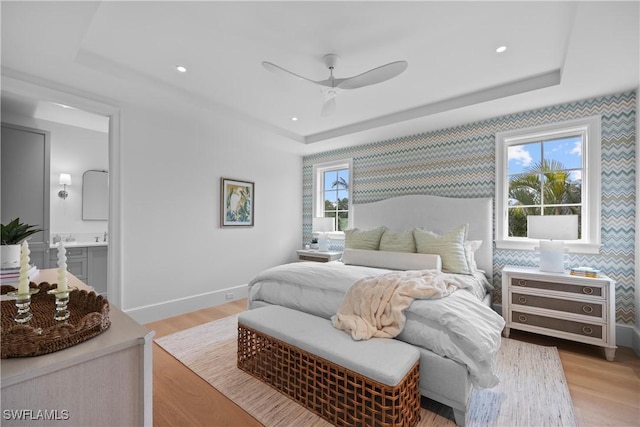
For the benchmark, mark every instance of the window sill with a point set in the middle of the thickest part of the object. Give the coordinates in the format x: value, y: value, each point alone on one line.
x: 336, y: 235
x: 521, y: 245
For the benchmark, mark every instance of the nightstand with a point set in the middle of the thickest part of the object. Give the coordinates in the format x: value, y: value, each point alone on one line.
x: 317, y: 256
x: 560, y: 305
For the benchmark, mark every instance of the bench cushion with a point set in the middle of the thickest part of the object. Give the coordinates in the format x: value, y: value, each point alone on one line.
x: 384, y: 360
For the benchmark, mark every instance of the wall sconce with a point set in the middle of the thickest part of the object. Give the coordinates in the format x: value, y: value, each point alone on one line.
x: 65, y: 179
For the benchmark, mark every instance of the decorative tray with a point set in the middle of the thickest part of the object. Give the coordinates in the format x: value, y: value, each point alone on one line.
x: 42, y: 334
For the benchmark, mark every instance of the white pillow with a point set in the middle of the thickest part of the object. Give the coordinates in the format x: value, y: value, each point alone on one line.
x: 470, y: 248
x: 392, y: 260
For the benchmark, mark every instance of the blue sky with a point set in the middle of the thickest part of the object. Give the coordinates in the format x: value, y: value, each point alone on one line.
x: 567, y: 151
x: 331, y: 177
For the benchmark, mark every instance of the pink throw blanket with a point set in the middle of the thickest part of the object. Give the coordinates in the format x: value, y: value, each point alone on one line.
x: 374, y: 306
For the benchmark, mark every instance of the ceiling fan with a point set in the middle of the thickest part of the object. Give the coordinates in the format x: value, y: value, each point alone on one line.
x: 332, y: 86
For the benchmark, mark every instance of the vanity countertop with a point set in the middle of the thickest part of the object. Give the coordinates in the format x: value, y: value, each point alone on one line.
x: 76, y: 244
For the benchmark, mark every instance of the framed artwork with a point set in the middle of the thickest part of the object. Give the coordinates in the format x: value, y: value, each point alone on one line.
x: 236, y: 204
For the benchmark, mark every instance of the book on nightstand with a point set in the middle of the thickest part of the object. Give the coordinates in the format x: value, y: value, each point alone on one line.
x: 584, y: 271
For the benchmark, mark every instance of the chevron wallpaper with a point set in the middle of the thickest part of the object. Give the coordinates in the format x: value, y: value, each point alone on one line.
x: 460, y: 162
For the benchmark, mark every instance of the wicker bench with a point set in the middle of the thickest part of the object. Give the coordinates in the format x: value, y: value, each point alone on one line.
x: 346, y: 382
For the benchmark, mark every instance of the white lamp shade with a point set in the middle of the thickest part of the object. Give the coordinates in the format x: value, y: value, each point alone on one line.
x: 552, y: 227
x: 65, y: 179
x: 322, y: 224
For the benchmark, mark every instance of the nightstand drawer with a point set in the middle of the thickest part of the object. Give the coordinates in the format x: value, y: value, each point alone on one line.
x: 317, y: 256
x: 568, y: 306
x: 595, y: 290
x: 313, y: 258
x: 572, y: 327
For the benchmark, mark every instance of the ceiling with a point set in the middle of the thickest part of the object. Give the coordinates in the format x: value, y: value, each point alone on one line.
x: 556, y: 52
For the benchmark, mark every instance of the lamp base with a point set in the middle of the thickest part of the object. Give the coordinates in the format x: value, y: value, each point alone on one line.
x: 323, y: 242
x: 552, y: 256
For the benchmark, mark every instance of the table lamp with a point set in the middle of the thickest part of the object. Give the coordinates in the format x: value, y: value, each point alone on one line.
x: 320, y: 226
x: 552, y: 230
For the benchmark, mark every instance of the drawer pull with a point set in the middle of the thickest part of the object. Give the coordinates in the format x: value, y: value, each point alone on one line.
x: 522, y: 300
x: 587, y: 290
x: 587, y: 330
x: 522, y: 282
x: 522, y: 318
x: 587, y: 309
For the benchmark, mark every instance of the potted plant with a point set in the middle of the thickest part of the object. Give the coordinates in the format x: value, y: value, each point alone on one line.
x: 13, y: 233
x: 314, y: 243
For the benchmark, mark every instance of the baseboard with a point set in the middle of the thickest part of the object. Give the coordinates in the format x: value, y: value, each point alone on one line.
x: 176, y: 307
x: 626, y: 336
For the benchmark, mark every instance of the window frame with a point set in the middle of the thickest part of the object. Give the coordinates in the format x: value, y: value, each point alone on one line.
x: 318, y: 190
x: 590, y: 129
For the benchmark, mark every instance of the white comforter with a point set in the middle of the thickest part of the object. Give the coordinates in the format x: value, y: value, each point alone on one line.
x: 459, y: 326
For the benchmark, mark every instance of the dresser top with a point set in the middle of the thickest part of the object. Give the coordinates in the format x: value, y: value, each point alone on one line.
x: 124, y: 332
x: 535, y: 271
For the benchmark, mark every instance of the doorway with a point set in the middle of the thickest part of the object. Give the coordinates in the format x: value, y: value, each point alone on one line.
x: 21, y: 98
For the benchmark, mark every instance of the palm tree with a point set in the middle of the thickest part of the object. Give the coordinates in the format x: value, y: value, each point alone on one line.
x: 546, y: 184
x: 340, y: 182
x: 341, y: 210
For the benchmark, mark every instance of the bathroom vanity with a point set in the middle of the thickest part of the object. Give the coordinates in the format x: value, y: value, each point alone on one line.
x: 87, y: 261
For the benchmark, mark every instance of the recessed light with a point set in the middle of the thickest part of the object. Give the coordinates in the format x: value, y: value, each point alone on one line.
x: 181, y: 69
x: 501, y: 49
x: 295, y: 119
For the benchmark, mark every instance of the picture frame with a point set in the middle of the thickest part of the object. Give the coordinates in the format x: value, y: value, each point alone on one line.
x: 236, y: 203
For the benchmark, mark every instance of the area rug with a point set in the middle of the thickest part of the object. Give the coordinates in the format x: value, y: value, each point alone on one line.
x: 533, y: 390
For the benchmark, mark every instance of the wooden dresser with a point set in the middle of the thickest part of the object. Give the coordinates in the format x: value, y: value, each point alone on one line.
x: 560, y: 305
x: 104, y: 381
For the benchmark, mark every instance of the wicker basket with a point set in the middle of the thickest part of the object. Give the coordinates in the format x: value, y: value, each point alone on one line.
x: 42, y: 335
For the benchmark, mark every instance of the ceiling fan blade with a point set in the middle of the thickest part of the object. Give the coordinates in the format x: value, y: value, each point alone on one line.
x: 376, y: 75
x: 329, y: 107
x: 279, y: 70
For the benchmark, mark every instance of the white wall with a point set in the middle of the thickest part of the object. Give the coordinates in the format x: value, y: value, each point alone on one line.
x: 73, y: 150
x: 170, y: 156
x: 175, y: 257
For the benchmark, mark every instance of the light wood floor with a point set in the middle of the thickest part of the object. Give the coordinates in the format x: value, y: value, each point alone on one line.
x: 604, y: 393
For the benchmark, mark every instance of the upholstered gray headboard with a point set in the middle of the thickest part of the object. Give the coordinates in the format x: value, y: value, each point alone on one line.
x: 434, y: 213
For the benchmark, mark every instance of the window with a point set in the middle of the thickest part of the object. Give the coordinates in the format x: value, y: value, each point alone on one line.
x: 549, y: 170
x: 332, y: 192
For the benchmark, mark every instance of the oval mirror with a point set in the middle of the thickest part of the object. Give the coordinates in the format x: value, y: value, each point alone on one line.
x: 95, y: 195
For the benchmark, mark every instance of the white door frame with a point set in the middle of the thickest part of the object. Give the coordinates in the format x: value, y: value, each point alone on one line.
x: 49, y: 91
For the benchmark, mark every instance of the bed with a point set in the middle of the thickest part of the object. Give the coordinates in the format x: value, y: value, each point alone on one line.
x: 457, y: 336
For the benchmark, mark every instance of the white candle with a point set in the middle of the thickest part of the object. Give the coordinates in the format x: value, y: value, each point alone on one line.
x: 62, y: 267
x: 23, y: 284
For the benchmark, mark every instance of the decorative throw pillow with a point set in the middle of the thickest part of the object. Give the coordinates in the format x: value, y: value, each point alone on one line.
x: 397, y: 242
x: 470, y: 248
x: 449, y: 246
x: 363, y: 239
x: 392, y: 260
